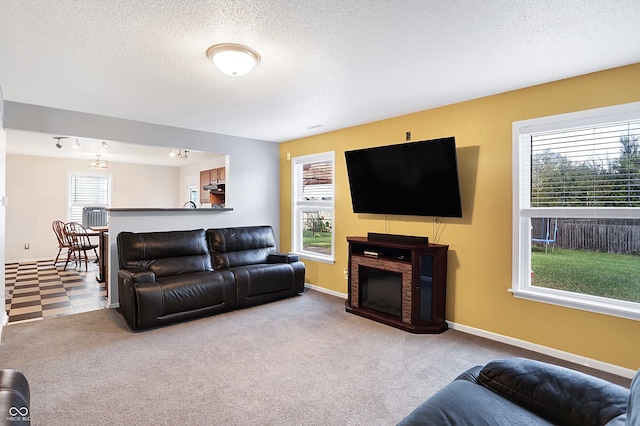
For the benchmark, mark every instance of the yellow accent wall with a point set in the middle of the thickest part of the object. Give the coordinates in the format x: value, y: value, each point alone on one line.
x: 479, y: 269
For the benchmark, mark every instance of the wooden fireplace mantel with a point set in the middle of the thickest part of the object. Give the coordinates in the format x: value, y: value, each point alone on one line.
x: 419, y: 271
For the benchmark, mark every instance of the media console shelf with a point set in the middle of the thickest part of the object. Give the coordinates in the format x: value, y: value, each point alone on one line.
x: 399, y: 282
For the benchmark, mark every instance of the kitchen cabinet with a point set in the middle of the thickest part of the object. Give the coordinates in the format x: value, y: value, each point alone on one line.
x: 218, y: 174
x: 213, y: 176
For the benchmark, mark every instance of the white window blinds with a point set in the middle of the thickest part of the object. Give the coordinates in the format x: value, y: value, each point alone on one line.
x: 595, y: 166
x: 87, y: 191
x: 317, y: 181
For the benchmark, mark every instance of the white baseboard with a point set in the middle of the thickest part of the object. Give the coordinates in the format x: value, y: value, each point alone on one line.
x: 30, y: 259
x: 326, y: 291
x: 567, y: 356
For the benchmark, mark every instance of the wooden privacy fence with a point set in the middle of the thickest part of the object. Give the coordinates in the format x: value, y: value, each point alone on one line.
x: 603, y: 235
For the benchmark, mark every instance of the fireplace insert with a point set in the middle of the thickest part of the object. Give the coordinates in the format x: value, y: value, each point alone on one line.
x: 381, y: 291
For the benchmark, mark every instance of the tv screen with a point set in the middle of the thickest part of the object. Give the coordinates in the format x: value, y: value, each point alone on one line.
x: 413, y: 178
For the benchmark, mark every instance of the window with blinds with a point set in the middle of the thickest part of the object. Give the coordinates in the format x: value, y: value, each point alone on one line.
x: 595, y: 166
x: 313, y: 206
x: 576, y: 210
x: 87, y: 191
x: 317, y: 181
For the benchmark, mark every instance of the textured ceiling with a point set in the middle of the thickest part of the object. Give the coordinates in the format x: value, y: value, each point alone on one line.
x: 326, y: 63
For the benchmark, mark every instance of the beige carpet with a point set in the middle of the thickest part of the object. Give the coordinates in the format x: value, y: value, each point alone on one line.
x: 299, y: 361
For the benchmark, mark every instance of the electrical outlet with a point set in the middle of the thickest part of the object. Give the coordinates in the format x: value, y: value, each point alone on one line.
x: 407, y: 136
x: 26, y: 246
x: 346, y: 274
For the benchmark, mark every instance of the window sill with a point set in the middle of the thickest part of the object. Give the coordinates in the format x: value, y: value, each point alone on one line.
x: 316, y: 258
x: 598, y: 305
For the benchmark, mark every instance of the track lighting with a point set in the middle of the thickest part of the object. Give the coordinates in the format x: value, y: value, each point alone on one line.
x: 57, y: 138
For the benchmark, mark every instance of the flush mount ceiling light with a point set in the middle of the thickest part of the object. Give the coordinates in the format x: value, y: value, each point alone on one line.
x: 233, y: 59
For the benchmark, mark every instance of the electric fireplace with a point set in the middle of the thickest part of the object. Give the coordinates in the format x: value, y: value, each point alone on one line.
x: 400, y: 283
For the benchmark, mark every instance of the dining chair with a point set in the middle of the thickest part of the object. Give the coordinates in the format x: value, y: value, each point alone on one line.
x: 58, y: 229
x: 79, y: 243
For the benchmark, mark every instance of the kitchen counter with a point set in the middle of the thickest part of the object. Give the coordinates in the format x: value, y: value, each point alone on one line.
x: 177, y: 209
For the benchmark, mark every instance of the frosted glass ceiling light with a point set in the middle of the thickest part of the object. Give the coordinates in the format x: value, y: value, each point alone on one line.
x: 233, y: 59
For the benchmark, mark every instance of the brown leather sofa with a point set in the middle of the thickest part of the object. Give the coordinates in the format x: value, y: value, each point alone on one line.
x: 14, y: 398
x: 172, y: 276
x: 521, y: 391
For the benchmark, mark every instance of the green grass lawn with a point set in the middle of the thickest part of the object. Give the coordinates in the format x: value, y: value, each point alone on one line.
x: 319, y: 242
x: 616, y: 276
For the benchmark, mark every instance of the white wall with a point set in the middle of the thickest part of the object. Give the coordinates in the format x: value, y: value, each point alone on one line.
x: 3, y: 315
x: 38, y: 188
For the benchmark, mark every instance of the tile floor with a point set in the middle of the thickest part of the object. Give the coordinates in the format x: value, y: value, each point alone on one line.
x: 38, y: 290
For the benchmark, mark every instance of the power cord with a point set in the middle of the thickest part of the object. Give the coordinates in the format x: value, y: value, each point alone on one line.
x: 437, y: 228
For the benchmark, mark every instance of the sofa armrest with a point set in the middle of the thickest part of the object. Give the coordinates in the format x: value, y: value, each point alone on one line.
x: 471, y: 375
x: 558, y: 394
x: 14, y: 397
x: 633, y: 410
x: 136, y: 275
x: 282, y: 258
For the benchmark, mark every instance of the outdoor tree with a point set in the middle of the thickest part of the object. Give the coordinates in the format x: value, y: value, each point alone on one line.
x: 627, y: 172
x: 556, y: 180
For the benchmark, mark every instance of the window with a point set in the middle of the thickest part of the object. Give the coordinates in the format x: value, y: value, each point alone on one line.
x: 576, y: 210
x: 313, y: 206
x: 87, y: 190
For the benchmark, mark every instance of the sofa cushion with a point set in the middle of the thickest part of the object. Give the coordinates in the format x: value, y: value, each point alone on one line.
x: 559, y: 394
x: 256, y: 280
x: 240, y: 246
x: 165, y: 253
x: 463, y: 403
x: 187, y: 292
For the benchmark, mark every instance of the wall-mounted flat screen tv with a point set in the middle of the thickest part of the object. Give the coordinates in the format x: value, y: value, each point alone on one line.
x: 413, y: 178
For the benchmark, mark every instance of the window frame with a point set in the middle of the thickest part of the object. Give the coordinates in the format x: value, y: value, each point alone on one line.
x: 107, y: 176
x: 521, y: 220
x: 298, y: 206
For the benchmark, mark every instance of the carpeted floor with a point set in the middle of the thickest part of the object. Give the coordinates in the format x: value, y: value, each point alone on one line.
x: 299, y: 361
